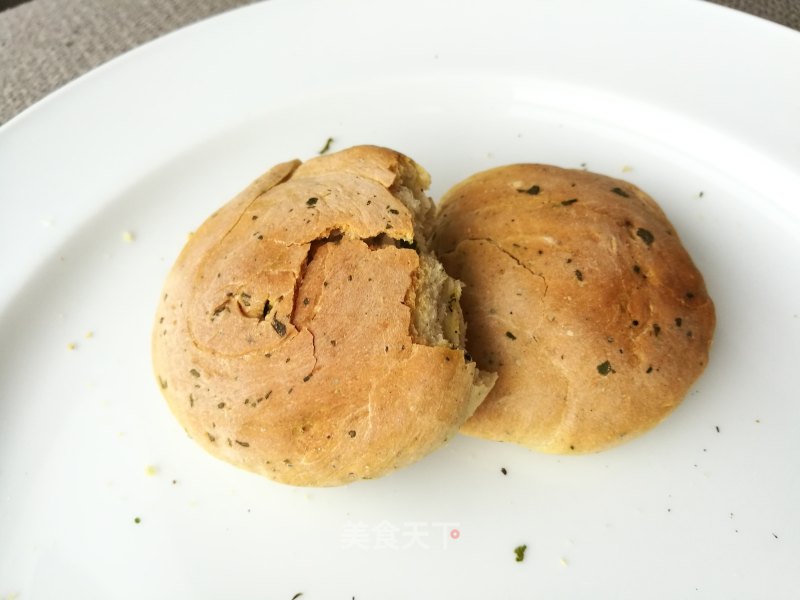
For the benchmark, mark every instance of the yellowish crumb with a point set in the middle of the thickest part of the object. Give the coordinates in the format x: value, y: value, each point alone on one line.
x: 189, y: 235
x: 72, y: 346
x: 564, y: 562
x: 627, y: 168
x: 127, y: 237
x: 151, y: 470
x: 89, y: 335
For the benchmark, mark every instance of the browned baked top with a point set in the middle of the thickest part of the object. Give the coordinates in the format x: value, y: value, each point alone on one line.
x: 579, y: 293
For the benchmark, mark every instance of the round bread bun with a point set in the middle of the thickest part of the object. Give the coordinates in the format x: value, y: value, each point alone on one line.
x: 307, y: 333
x: 579, y: 294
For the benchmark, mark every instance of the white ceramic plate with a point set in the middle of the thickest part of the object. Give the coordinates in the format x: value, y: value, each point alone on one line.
x: 698, y: 105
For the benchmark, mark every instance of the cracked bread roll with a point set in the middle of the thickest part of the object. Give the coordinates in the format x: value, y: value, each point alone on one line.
x: 579, y: 294
x: 307, y: 333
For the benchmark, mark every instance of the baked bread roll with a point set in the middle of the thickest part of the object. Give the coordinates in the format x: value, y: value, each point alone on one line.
x: 578, y: 292
x: 307, y: 333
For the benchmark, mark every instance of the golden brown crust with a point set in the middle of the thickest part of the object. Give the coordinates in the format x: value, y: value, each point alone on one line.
x: 580, y: 295
x: 282, y: 342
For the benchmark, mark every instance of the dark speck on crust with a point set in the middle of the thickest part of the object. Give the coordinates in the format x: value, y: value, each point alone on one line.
x: 620, y: 192
x: 645, y: 235
x: 533, y: 190
x: 605, y: 368
x: 279, y: 327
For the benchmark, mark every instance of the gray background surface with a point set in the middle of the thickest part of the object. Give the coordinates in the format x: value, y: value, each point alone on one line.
x: 47, y: 43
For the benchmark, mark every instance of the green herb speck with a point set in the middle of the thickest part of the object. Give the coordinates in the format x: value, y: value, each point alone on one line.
x: 646, y: 236
x: 324, y: 149
x: 620, y: 192
x: 533, y: 190
x: 604, y: 368
x: 519, y: 553
x: 279, y: 327
x: 510, y: 335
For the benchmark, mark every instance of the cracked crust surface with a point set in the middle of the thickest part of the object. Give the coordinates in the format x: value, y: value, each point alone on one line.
x: 284, y: 341
x: 580, y: 295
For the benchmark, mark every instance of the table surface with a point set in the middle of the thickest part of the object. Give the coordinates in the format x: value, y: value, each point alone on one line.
x: 44, y: 44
